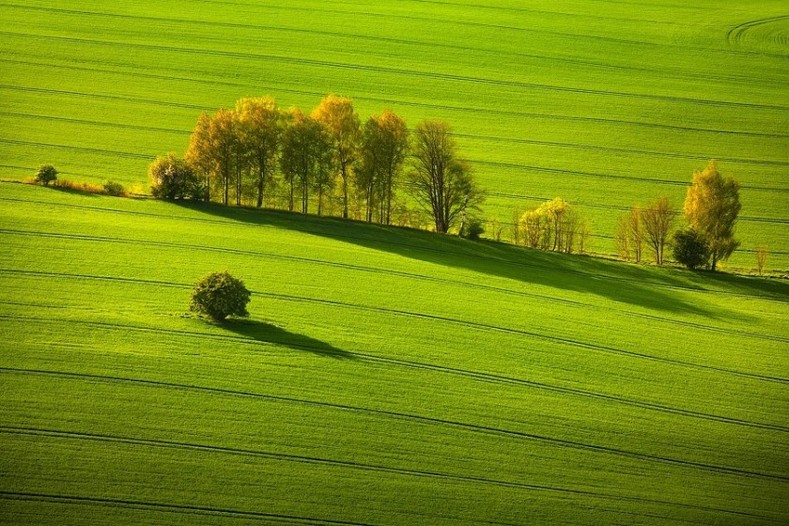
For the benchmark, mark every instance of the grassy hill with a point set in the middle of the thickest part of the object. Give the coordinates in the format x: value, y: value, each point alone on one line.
x: 602, y: 103
x: 385, y: 376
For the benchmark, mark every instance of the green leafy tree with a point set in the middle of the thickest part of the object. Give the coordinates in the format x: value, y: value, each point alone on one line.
x: 691, y: 249
x: 46, y: 174
x: 711, y: 208
x: 441, y: 182
x: 219, y: 295
x: 383, y: 149
x: 260, y: 125
x: 472, y: 229
x: 173, y: 178
x: 198, y: 153
x: 306, y: 158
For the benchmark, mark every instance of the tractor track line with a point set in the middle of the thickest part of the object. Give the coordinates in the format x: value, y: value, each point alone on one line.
x: 474, y: 137
x: 485, y: 111
x: 458, y: 372
x: 173, y: 508
x: 351, y: 465
x: 442, y: 77
x: 420, y: 419
x: 674, y: 73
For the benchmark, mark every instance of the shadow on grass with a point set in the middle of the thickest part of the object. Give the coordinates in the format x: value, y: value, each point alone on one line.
x: 631, y: 284
x: 75, y: 191
x: 268, y: 333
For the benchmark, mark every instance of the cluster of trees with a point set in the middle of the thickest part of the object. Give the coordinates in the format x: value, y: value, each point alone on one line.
x: 710, y: 211
x: 555, y: 225
x: 244, y: 155
x: 238, y: 156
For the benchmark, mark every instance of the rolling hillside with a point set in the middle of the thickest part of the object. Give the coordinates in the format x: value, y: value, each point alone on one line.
x: 384, y: 377
x: 602, y: 103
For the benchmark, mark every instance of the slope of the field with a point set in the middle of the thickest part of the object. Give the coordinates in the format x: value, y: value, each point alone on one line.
x: 602, y: 103
x: 385, y: 376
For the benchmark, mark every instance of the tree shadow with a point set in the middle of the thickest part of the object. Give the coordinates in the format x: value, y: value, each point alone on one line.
x: 268, y: 333
x: 70, y: 190
x: 621, y: 282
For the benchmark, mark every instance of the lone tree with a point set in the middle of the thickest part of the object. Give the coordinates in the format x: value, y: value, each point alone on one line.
x: 440, y: 181
x: 690, y: 248
x: 219, y: 295
x: 711, y: 209
x: 657, y: 219
x: 173, y: 178
x: 46, y: 174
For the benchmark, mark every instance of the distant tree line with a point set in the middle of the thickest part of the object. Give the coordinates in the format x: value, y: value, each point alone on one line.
x: 240, y: 156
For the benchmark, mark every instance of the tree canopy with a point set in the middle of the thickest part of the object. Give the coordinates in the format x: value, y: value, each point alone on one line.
x: 441, y: 181
x: 711, y: 208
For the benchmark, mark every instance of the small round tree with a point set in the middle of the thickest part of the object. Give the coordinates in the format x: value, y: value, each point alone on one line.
x: 690, y: 248
x: 219, y: 295
x: 46, y: 174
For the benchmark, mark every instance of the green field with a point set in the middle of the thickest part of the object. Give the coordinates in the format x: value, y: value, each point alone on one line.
x: 604, y: 103
x: 385, y: 377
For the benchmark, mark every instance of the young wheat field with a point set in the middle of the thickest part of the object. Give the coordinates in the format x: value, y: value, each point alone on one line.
x: 392, y: 376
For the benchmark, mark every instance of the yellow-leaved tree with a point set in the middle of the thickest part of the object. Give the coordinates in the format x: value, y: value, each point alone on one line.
x: 711, y: 208
x: 341, y: 122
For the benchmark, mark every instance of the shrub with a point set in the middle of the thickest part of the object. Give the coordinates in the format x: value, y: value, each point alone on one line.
x: 78, y: 186
x: 173, y: 178
x: 219, y: 295
x: 691, y: 249
x: 114, y: 189
x: 472, y: 229
x: 46, y: 174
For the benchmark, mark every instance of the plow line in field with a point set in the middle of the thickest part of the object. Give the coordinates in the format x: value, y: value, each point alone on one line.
x: 258, y: 87
x: 172, y: 508
x: 403, y: 72
x: 479, y: 376
x: 349, y: 465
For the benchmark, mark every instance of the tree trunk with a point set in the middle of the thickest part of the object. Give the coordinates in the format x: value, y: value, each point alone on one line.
x: 344, y: 174
x: 261, y: 182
